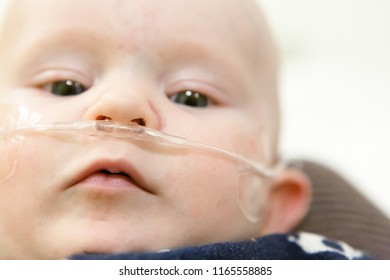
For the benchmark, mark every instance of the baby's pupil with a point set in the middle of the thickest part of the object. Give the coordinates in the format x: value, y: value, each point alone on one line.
x: 66, y: 88
x: 190, y: 98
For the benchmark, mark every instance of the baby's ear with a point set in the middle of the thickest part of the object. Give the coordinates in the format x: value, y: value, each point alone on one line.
x: 288, y: 202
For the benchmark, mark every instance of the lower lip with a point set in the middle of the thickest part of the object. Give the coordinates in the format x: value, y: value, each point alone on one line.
x: 104, y: 181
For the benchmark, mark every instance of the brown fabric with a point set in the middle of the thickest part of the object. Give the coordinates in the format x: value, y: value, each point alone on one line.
x: 340, y: 212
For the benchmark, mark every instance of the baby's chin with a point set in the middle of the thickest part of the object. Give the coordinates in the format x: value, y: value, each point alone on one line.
x: 67, y: 248
x: 96, y: 241
x: 107, y: 238
x: 99, y: 247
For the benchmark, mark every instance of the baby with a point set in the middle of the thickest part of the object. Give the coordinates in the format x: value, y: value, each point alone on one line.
x: 204, y: 70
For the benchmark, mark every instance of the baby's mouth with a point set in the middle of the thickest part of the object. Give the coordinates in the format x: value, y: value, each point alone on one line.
x: 107, y: 179
x: 110, y: 176
x: 117, y: 174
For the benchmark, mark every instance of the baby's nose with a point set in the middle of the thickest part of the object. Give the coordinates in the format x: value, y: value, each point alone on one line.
x: 127, y: 108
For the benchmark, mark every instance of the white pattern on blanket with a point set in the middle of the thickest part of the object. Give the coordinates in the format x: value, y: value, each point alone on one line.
x: 313, y: 243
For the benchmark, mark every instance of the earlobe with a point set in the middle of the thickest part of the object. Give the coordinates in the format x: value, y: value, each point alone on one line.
x: 288, y: 202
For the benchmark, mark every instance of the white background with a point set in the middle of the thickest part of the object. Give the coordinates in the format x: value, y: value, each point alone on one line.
x: 335, y: 87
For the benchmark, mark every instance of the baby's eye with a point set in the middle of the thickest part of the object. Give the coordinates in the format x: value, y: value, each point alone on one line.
x: 66, y: 88
x: 190, y: 98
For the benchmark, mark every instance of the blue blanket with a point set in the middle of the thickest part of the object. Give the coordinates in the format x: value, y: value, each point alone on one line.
x: 298, y: 246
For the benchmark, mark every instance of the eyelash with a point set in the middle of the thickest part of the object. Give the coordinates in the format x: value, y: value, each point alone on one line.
x: 68, y: 87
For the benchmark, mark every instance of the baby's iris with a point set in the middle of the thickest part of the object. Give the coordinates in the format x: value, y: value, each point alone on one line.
x: 67, y: 88
x: 190, y: 98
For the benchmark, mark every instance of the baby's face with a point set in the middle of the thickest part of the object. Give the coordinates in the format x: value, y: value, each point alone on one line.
x: 197, y: 69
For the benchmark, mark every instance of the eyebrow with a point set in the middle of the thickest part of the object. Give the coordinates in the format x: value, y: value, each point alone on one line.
x: 50, y: 45
x: 201, y: 52
x: 78, y: 39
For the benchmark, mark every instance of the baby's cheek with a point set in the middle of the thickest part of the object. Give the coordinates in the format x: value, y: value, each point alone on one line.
x: 251, y: 146
x: 12, y: 116
x: 31, y: 162
x: 203, y: 185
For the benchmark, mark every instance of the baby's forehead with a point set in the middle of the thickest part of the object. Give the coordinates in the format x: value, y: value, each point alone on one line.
x: 231, y: 18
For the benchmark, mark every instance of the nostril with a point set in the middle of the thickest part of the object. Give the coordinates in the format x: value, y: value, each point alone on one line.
x: 103, y: 118
x: 139, y: 121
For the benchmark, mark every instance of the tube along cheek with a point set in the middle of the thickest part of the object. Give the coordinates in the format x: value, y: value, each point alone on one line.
x: 10, y: 117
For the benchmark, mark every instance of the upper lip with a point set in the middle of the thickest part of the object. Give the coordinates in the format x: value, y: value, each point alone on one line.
x: 113, y: 166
